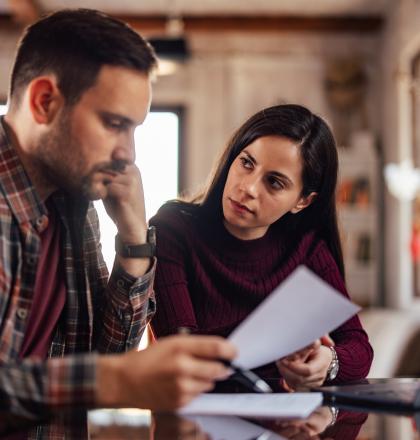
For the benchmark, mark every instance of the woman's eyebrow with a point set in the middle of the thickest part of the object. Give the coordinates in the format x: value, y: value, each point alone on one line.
x: 278, y: 174
x: 250, y: 157
x: 282, y: 176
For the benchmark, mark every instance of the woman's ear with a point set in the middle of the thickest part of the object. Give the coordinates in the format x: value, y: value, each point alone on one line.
x: 304, y: 202
x: 45, y: 99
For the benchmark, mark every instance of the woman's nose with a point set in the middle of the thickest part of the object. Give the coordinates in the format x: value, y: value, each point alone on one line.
x: 250, y: 186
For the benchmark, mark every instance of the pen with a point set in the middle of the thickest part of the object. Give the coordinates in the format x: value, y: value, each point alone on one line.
x: 246, y: 377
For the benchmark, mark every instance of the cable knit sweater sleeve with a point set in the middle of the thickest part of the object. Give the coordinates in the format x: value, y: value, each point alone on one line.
x: 354, y: 352
x: 174, y: 306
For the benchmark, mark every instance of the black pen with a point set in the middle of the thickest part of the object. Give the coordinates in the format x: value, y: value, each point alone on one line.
x: 248, y: 378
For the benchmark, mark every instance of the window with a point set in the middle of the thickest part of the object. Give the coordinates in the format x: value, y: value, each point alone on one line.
x: 157, y: 158
x: 415, y: 150
x: 157, y: 151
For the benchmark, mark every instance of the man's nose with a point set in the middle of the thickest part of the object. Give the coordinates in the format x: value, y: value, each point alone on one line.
x: 125, y: 150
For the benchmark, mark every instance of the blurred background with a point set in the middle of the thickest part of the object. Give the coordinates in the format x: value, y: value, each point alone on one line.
x: 354, y: 62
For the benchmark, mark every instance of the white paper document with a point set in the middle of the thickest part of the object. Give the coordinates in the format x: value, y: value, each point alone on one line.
x: 232, y: 428
x: 301, y: 309
x: 276, y: 405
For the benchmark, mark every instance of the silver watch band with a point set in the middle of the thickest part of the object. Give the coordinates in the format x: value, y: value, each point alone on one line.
x: 334, y: 365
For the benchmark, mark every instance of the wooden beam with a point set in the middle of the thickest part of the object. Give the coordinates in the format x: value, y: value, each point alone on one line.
x: 280, y: 23
x: 156, y: 24
x: 7, y: 23
x: 24, y: 12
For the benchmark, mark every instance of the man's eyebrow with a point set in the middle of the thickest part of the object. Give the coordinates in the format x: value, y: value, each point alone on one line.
x: 124, y: 119
x: 278, y: 174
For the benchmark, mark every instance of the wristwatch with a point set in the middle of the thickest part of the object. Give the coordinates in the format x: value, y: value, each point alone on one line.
x: 334, y: 415
x: 334, y: 365
x: 145, y: 250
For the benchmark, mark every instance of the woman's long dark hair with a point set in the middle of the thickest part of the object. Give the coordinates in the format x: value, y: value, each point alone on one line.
x: 319, y: 174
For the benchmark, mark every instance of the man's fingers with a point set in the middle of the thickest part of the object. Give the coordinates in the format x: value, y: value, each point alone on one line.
x: 200, y: 369
x: 193, y: 387
x: 210, y: 347
x: 187, y: 389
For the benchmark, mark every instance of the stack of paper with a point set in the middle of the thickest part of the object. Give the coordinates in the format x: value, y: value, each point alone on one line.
x: 279, y: 405
x: 232, y: 428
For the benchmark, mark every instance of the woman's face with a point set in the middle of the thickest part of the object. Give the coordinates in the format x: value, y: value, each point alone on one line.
x: 264, y: 183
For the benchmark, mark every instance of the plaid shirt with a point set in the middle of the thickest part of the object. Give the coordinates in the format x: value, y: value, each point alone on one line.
x: 100, y: 315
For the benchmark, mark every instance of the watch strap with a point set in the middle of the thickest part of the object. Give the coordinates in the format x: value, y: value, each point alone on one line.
x: 334, y: 365
x: 334, y: 415
x: 144, y: 250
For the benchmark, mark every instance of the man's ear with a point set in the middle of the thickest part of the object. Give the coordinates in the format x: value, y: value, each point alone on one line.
x: 304, y: 202
x: 45, y: 99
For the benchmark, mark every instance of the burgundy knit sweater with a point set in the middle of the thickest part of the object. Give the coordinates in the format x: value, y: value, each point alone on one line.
x: 209, y: 281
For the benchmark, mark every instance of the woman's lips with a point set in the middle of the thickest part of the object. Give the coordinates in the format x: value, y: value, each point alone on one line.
x: 239, y: 207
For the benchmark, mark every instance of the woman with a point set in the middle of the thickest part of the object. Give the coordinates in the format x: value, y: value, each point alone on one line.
x: 269, y: 207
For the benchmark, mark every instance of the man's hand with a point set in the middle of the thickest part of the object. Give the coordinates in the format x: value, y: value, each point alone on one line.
x: 125, y: 204
x: 166, y: 375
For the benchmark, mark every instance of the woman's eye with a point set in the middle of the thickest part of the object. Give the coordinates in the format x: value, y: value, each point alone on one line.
x: 246, y: 163
x: 275, y: 183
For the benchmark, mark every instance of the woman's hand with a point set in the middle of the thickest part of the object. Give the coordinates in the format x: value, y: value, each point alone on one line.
x: 307, y: 368
x: 307, y: 429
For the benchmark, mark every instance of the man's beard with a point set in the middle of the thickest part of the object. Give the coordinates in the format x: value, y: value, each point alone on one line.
x: 61, y: 161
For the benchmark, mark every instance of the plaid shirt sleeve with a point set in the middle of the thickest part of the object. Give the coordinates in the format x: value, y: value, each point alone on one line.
x: 101, y: 314
x: 34, y: 388
x: 125, y: 303
x: 129, y: 306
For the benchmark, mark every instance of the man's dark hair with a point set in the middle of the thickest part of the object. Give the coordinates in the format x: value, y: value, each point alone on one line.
x: 73, y: 44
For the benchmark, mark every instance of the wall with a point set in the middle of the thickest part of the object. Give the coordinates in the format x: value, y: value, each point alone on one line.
x: 401, y: 40
x: 233, y: 75
x: 230, y: 76
x: 8, y: 42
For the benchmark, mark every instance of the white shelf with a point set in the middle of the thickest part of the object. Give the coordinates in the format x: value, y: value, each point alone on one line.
x: 358, y: 222
x: 354, y: 216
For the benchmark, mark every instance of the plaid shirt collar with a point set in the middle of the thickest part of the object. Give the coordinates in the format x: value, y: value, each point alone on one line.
x: 15, y: 184
x: 22, y: 196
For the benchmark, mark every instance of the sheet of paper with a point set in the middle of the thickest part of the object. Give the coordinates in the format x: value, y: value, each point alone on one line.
x: 276, y: 405
x: 232, y: 428
x: 300, y: 310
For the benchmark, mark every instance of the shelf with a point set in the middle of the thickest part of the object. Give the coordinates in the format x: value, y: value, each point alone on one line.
x: 357, y: 194
x: 354, y: 217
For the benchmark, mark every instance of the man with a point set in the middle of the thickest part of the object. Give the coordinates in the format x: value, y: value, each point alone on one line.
x: 79, y: 87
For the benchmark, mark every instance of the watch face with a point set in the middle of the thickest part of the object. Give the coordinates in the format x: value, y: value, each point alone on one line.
x: 151, y: 235
x: 333, y: 371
